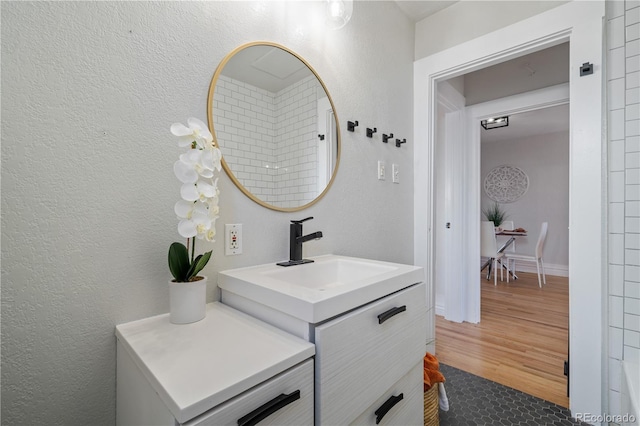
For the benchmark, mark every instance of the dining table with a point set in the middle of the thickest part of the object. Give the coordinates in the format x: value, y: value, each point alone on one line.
x: 512, y: 237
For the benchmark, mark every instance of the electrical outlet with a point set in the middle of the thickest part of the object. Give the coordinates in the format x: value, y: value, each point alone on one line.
x: 381, y: 170
x: 395, y: 173
x: 232, y: 239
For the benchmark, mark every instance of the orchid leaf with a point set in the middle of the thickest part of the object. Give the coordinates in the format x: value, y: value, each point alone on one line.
x: 198, y: 264
x: 178, y: 261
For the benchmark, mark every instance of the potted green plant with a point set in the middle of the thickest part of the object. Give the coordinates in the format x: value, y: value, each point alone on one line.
x: 197, y: 210
x: 494, y: 213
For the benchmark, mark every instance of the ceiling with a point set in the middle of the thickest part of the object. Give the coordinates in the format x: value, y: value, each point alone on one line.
x: 530, y: 123
x: 267, y: 67
x: 420, y: 9
x: 537, y: 70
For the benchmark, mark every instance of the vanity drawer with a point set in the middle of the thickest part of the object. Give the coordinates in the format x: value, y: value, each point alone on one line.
x: 404, y: 399
x: 360, y: 355
x: 298, y: 412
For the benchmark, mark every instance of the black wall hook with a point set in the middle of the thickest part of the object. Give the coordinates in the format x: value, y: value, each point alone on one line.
x: 400, y: 142
x: 321, y: 137
x: 385, y: 138
x: 370, y: 132
x: 351, y: 125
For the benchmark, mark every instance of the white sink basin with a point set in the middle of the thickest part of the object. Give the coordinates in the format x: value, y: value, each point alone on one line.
x: 314, y: 292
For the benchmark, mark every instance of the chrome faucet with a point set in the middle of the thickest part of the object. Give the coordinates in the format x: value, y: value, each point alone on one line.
x: 295, y: 243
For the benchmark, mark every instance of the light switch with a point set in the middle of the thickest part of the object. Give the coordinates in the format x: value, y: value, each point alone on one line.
x: 381, y: 171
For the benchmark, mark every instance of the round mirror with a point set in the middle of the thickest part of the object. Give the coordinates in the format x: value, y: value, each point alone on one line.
x: 274, y: 121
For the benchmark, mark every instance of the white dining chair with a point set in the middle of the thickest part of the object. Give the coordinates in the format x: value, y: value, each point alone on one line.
x: 537, y: 257
x: 489, y: 247
x: 506, y: 225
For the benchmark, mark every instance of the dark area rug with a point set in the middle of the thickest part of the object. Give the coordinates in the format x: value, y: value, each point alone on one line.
x: 477, y: 401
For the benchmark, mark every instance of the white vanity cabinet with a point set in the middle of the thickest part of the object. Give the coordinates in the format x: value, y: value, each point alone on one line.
x: 227, y: 369
x: 368, y: 364
x: 362, y: 354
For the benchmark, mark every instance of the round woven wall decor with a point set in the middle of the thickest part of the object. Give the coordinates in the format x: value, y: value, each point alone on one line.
x: 506, y: 184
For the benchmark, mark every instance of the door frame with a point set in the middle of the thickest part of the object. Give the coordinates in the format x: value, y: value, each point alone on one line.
x: 581, y: 24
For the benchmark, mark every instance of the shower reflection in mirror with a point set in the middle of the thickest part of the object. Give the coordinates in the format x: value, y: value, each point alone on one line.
x: 268, y: 110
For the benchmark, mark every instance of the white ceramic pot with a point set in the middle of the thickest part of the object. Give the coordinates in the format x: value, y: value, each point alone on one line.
x: 187, y: 301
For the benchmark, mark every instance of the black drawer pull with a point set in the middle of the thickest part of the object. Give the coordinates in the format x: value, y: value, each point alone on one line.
x: 388, y: 405
x: 268, y: 409
x: 391, y: 312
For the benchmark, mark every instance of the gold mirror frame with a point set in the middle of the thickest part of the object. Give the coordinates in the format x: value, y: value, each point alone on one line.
x: 227, y: 169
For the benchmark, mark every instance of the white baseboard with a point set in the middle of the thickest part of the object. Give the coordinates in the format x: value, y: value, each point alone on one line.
x: 549, y: 269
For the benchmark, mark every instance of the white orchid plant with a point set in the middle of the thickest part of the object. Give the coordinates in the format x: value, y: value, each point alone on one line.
x: 198, y: 209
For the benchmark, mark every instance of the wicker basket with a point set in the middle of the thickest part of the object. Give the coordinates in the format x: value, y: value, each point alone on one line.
x: 431, y: 406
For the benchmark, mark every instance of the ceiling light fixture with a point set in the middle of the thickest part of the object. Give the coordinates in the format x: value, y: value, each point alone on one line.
x: 494, y: 123
x: 338, y: 13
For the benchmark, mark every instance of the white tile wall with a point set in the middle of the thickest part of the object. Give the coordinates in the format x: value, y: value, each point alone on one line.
x: 616, y: 187
x: 632, y: 338
x: 632, y: 306
x: 246, y: 134
x: 632, y: 127
x: 615, y: 375
x: 631, y: 321
x: 616, y: 340
x: 614, y: 402
x: 617, y: 123
x: 616, y: 155
x: 633, y: 62
x: 298, y: 177
x: 616, y: 249
x: 623, y: 85
x: 632, y: 354
x: 616, y: 64
x: 632, y: 273
x: 632, y: 224
x: 616, y: 280
x: 615, y: 32
x: 262, y: 141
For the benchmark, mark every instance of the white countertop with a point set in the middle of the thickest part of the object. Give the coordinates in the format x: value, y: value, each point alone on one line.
x: 194, y: 367
x: 314, y: 292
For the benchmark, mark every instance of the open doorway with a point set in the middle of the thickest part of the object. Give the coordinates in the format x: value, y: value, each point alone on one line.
x: 579, y: 23
x: 511, y: 87
x: 536, y: 144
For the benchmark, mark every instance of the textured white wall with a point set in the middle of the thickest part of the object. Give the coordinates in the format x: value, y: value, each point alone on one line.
x: 89, y: 90
x: 545, y: 160
x: 466, y: 20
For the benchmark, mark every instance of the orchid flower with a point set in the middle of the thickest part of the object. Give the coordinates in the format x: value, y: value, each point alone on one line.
x: 198, y: 209
x: 196, y: 132
x: 200, y: 191
x: 197, y: 162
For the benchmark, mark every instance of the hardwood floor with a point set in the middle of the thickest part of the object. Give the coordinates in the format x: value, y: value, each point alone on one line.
x: 521, y: 340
